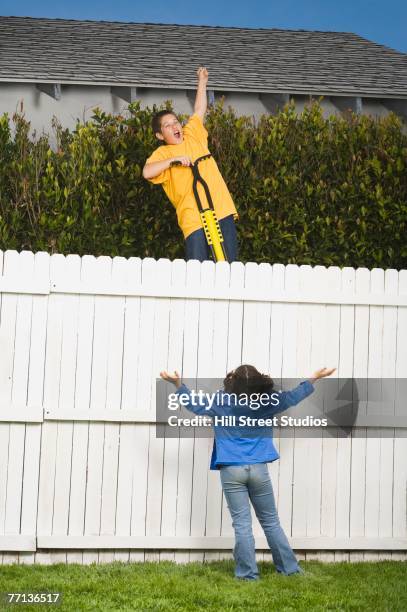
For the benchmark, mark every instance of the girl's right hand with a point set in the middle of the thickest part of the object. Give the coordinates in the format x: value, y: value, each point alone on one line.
x: 173, y: 378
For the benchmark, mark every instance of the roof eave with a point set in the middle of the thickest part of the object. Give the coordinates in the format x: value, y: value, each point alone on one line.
x: 366, y: 93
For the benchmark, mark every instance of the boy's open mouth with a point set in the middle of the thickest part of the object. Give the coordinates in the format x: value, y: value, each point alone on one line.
x: 177, y: 134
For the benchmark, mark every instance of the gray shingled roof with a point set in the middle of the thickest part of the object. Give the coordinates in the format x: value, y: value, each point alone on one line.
x: 239, y: 59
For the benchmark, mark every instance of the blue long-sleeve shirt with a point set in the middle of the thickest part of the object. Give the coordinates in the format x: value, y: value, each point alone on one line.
x: 235, y: 444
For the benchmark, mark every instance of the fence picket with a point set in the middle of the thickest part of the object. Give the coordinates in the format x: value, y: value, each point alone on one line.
x: 360, y: 370
x: 113, y: 398
x: 187, y: 445
x: 387, y: 440
x: 319, y: 331
x: 234, y: 359
x: 49, y: 438
x: 34, y: 397
x: 8, y: 310
x: 345, y: 370
x: 171, y: 445
x: 219, y: 364
x: 301, y: 444
x: 276, y: 364
x: 329, y: 457
x: 399, y: 496
x: 288, y: 370
x: 203, y: 446
x: 132, y: 475
x: 159, y: 272
x: 69, y: 311
x: 82, y: 399
x: 100, y: 347
x: 372, y: 498
x: 256, y: 334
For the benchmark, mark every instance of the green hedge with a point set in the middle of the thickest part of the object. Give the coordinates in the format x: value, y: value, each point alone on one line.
x: 308, y: 189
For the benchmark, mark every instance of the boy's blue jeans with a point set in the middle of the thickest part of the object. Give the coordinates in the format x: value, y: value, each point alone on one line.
x: 196, y: 246
x: 240, y: 484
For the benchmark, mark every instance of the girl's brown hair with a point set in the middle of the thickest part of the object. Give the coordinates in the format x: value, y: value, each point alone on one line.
x: 247, y: 379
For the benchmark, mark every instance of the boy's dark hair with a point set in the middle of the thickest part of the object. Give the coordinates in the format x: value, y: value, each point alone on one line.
x: 156, y: 120
x: 247, y: 379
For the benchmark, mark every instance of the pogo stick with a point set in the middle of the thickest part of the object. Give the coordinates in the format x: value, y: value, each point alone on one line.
x: 210, y: 223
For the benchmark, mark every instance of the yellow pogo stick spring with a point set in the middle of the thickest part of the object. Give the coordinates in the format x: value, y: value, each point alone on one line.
x: 213, y: 233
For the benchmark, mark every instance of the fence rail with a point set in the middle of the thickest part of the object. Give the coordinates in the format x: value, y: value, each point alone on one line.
x: 242, y: 295
x: 82, y: 340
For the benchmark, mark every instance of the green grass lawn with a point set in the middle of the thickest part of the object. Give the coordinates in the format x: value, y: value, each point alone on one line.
x: 211, y: 586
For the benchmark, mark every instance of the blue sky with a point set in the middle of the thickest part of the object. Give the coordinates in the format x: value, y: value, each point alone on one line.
x: 384, y: 21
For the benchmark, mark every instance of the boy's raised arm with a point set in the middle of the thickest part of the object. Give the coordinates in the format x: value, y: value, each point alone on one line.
x: 200, y: 100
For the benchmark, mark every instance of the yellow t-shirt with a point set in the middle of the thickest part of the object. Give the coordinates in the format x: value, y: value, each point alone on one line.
x: 177, y: 181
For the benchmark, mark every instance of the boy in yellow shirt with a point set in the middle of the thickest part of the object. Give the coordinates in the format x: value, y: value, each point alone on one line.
x: 185, y: 146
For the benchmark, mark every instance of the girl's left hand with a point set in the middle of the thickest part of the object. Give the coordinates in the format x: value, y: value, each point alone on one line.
x: 322, y: 373
x: 174, y: 378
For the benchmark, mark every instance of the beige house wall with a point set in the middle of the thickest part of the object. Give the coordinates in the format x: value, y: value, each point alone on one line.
x: 78, y: 102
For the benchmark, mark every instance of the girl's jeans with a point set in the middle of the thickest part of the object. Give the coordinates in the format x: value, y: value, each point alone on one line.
x: 196, y: 246
x: 240, y: 484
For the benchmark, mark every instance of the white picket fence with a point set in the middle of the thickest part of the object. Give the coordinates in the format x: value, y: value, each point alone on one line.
x: 82, y: 475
